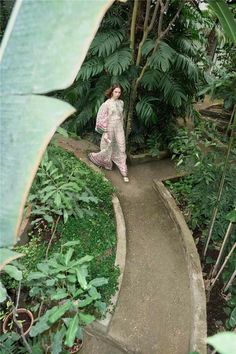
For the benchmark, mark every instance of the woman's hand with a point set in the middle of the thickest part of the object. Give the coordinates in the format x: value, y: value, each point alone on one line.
x: 106, y: 138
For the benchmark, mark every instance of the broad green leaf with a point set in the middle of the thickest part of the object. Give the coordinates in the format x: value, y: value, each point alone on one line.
x: 71, y: 331
x: 50, y: 282
x: 71, y: 243
x: 61, y: 294
x: 42, y: 324
x: 232, y: 319
x: 84, y: 259
x: 43, y: 267
x: 59, y: 312
x: 231, y: 216
x: 16, y: 186
x: 94, y: 293
x: 81, y: 279
x: 98, y: 282
x: 225, y: 16
x: 7, y: 256
x: 36, y: 275
x: 42, y: 50
x: 57, y: 341
x: 86, y: 302
x: 86, y: 318
x: 13, y: 272
x: 3, y: 293
x: 101, y: 306
x: 224, y: 342
x: 68, y: 256
x: 62, y: 132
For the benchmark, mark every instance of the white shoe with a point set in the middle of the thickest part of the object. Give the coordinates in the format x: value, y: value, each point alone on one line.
x: 126, y: 179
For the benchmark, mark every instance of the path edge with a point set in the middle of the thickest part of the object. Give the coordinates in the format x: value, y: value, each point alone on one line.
x: 198, y: 298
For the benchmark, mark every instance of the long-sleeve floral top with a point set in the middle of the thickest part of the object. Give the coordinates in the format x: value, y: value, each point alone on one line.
x: 108, y: 110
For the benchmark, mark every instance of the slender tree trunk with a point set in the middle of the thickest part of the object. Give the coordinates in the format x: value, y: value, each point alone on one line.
x: 215, y: 210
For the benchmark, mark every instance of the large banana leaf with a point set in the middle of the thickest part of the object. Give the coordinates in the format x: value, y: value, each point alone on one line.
x: 42, y: 50
x: 225, y: 16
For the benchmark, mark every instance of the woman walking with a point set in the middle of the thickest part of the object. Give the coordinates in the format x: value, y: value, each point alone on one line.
x: 109, y: 123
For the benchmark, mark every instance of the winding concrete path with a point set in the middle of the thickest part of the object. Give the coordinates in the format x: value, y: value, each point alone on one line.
x: 153, y: 312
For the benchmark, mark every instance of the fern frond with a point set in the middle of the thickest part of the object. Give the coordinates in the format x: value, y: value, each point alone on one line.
x: 163, y: 57
x: 97, y: 94
x: 146, y: 111
x: 90, y: 68
x: 112, y: 20
x: 172, y: 91
x: 82, y: 88
x: 148, y: 46
x: 123, y: 81
x: 106, y: 42
x: 119, y: 61
x: 186, y: 64
x: 186, y: 45
x: 151, y: 79
x: 84, y: 116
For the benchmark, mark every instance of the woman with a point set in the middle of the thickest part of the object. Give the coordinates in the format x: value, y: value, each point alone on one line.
x: 110, y: 124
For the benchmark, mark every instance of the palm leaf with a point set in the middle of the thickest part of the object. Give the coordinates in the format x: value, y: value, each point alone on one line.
x: 162, y: 58
x: 119, y: 61
x: 146, y: 111
x: 37, y: 58
x: 90, y: 68
x: 172, y: 91
x: 97, y: 95
x: 148, y: 46
x: 84, y: 117
x: 151, y: 79
x: 123, y: 80
x: 226, y: 18
x: 106, y: 42
x: 186, y: 45
x: 186, y: 64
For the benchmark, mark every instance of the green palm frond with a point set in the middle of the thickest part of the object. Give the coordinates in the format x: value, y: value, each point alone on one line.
x: 187, y: 65
x: 163, y: 57
x: 119, y: 61
x: 172, y: 91
x: 123, y: 80
x: 148, y: 46
x: 90, y: 68
x: 151, y: 79
x: 84, y: 116
x: 83, y: 88
x: 106, y: 42
x: 146, y: 110
x: 112, y: 20
x: 186, y: 45
x: 97, y: 95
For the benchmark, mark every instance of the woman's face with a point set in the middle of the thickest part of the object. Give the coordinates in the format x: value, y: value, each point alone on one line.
x: 116, y: 93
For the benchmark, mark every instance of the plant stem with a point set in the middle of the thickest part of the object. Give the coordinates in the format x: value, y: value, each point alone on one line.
x: 14, y: 313
x: 228, y: 233
x: 53, y: 233
x: 231, y: 120
x: 133, y: 24
x: 215, y: 210
x: 222, y: 267
x: 230, y: 281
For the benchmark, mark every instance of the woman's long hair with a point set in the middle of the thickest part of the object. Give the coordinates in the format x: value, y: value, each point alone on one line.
x: 108, y: 92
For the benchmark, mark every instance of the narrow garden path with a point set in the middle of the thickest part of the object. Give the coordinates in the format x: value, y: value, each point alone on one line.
x: 153, y: 312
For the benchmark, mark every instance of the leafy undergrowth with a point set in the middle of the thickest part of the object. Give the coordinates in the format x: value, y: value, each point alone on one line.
x: 196, y: 197
x: 95, y: 229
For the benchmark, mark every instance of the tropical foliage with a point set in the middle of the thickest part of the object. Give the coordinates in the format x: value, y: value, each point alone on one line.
x: 169, y: 83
